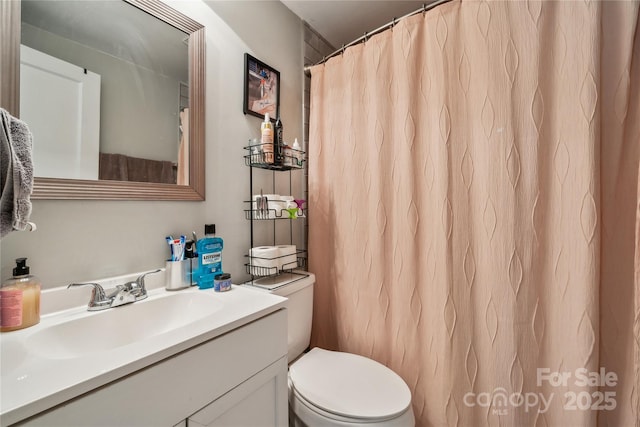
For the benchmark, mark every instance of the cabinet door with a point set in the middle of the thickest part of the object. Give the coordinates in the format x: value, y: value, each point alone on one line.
x: 259, y: 401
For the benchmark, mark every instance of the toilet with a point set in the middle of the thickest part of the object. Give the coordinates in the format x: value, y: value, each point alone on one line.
x: 331, y: 388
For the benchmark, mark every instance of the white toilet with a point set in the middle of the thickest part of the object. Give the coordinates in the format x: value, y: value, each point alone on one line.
x: 330, y: 388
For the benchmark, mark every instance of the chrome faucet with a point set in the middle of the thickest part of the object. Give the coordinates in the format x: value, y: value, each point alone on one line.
x: 122, y: 294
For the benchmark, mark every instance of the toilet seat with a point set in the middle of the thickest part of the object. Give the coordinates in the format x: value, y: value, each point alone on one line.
x: 346, y: 386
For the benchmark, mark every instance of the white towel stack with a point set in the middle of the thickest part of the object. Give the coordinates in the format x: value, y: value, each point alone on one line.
x: 264, y: 260
x: 288, y: 259
x: 267, y: 260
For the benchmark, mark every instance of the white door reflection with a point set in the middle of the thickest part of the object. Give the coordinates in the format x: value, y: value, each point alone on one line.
x: 61, y: 104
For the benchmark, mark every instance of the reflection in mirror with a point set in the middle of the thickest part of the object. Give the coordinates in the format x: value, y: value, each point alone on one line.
x: 187, y: 127
x: 104, y: 88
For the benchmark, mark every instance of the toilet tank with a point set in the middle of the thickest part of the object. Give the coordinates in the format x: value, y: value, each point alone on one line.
x: 299, y: 313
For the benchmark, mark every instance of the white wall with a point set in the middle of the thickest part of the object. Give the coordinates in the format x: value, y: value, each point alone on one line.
x: 82, y: 240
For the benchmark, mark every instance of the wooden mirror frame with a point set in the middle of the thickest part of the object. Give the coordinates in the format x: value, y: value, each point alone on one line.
x: 74, y: 189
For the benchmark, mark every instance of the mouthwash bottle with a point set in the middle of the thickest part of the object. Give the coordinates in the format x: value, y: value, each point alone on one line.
x: 209, y: 257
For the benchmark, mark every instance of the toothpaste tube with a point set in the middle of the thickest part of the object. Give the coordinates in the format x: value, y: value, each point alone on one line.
x: 177, y: 247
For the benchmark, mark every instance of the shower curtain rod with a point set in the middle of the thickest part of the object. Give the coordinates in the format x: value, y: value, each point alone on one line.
x: 366, y: 35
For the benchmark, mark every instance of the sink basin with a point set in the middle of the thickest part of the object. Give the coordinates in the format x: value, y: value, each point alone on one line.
x: 73, y: 351
x: 116, y: 327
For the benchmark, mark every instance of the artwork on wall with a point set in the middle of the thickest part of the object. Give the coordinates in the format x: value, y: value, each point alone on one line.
x: 261, y: 88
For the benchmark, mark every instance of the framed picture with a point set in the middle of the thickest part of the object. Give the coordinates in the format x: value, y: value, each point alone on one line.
x: 261, y: 88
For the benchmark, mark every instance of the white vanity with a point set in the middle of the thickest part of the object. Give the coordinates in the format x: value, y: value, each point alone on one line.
x: 206, y: 358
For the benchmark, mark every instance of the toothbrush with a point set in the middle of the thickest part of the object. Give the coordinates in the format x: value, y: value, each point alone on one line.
x: 177, y: 247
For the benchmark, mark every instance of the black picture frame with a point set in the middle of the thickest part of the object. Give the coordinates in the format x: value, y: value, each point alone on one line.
x: 261, y: 88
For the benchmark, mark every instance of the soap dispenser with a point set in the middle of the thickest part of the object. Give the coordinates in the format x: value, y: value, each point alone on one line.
x: 19, y: 299
x: 297, y: 153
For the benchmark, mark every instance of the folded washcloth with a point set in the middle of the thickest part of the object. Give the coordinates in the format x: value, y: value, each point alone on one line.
x: 16, y: 172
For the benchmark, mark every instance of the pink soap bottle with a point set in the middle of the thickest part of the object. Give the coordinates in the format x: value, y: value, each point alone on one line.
x: 19, y: 299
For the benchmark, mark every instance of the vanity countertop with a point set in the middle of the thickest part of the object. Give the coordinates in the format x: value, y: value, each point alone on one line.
x: 34, y: 379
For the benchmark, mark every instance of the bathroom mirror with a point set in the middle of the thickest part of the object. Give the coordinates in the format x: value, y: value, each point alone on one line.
x: 138, y: 24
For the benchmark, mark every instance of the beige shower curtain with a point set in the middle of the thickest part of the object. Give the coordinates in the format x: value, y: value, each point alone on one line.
x: 473, y: 181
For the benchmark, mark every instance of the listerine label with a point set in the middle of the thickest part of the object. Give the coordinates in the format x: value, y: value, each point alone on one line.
x: 211, y: 258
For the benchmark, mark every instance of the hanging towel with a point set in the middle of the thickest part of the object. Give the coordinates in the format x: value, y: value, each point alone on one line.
x: 16, y: 171
x: 118, y: 167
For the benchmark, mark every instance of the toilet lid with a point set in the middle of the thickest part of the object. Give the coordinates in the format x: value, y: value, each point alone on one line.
x: 349, y: 385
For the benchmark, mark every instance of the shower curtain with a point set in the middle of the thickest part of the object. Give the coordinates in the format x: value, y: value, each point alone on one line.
x: 473, y: 198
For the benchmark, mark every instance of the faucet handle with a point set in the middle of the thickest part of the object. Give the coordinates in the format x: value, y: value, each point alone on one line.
x: 140, y: 279
x: 138, y: 285
x: 98, y: 298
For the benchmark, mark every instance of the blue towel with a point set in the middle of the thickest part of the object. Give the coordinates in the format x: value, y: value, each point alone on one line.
x: 16, y: 172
